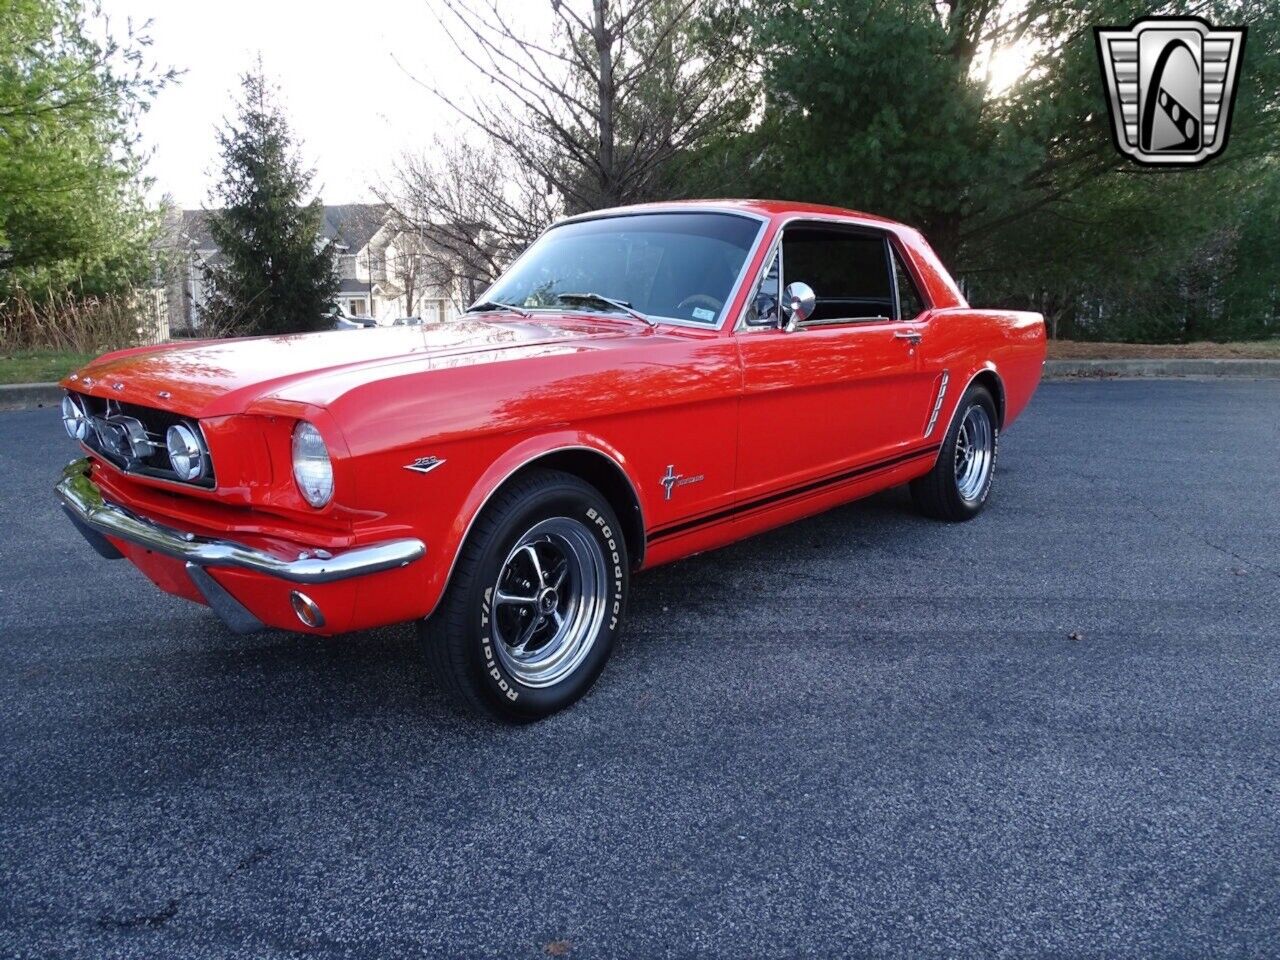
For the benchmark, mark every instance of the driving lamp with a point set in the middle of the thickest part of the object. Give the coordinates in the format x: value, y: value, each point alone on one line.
x: 74, y: 418
x: 186, y: 456
x: 312, y: 469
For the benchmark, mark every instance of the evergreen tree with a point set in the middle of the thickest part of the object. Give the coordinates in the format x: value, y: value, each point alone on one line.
x: 275, y: 272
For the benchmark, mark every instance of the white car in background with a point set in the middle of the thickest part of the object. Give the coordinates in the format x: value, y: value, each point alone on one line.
x: 342, y: 321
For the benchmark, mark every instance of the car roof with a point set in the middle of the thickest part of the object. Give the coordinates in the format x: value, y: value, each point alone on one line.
x: 768, y: 209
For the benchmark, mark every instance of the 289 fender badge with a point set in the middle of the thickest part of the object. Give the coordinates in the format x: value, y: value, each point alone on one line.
x: 424, y: 464
x: 1171, y: 84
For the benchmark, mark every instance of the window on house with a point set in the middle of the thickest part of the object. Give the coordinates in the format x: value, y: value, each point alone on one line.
x: 359, y: 307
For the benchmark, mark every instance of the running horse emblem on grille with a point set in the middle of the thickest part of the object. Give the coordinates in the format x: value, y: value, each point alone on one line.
x: 1171, y: 84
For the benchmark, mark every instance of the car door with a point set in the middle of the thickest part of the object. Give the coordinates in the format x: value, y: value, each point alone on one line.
x: 843, y: 390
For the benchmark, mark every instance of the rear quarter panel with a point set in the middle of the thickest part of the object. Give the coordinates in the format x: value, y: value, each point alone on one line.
x: 965, y: 341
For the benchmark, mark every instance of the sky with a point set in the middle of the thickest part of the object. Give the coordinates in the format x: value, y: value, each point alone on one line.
x: 350, y: 76
x: 346, y: 76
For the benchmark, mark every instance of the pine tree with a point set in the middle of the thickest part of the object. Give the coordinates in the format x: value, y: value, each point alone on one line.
x: 275, y: 270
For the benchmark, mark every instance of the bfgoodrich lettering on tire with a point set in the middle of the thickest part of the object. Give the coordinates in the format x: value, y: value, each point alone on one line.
x: 536, y: 600
x: 959, y: 484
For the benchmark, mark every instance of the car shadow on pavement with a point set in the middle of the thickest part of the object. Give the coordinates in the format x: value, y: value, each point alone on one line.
x: 294, y: 675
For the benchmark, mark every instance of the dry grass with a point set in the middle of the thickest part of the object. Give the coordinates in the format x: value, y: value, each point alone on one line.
x: 61, y: 323
x: 1078, y: 350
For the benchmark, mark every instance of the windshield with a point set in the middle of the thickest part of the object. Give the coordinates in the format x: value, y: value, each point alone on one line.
x: 678, y: 266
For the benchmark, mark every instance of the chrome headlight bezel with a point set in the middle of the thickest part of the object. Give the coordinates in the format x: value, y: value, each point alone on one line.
x: 187, y: 455
x: 75, y: 419
x: 312, y: 465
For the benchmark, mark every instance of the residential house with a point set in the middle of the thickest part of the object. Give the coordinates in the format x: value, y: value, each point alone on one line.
x: 384, y: 272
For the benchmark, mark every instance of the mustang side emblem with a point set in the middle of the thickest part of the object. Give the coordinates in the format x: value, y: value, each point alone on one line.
x: 670, y: 480
x: 424, y: 464
x: 1171, y: 83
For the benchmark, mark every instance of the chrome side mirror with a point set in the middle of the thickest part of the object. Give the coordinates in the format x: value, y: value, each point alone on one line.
x: 798, y: 304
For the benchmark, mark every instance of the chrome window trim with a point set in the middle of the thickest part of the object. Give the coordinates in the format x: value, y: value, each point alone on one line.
x: 844, y: 322
x: 891, y: 261
x: 895, y: 247
x: 775, y: 250
x: 884, y: 233
x: 620, y: 212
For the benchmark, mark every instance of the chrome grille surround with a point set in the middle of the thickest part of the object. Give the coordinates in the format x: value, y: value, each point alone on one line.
x: 132, y: 437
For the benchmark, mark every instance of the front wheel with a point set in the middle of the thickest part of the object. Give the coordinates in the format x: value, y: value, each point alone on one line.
x: 958, y: 485
x: 535, y: 602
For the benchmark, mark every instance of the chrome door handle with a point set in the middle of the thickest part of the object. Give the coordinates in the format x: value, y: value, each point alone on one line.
x: 911, y: 335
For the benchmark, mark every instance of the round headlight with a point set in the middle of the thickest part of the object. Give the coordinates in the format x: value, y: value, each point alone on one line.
x: 186, y: 456
x: 312, y: 469
x: 74, y: 418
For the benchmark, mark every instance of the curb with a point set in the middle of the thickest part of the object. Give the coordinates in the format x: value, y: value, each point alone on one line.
x: 29, y: 396
x: 1253, y: 369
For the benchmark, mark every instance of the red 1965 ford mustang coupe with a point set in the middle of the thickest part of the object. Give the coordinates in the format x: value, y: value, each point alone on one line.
x: 641, y: 385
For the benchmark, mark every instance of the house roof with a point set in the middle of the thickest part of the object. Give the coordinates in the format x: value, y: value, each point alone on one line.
x: 352, y: 225
x: 349, y: 225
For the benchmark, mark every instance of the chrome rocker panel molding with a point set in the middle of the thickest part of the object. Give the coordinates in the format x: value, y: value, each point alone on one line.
x: 88, y: 508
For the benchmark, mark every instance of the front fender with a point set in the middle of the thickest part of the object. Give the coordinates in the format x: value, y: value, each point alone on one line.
x: 515, y: 457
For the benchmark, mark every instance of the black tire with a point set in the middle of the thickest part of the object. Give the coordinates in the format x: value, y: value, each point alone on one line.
x: 939, y: 493
x: 461, y: 640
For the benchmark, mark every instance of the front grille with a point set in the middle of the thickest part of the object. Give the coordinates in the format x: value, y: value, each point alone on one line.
x: 133, y: 438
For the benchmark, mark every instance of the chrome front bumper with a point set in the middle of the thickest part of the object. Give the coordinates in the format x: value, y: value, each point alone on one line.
x: 96, y: 518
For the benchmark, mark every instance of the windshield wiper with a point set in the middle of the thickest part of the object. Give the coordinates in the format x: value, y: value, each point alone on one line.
x: 480, y: 305
x: 609, y: 302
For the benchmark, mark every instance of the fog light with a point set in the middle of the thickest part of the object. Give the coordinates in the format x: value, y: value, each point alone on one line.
x: 186, y: 456
x: 308, y: 610
x: 74, y: 418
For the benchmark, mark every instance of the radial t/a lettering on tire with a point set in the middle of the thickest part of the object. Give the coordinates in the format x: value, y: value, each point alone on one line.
x: 959, y: 484
x: 535, y: 602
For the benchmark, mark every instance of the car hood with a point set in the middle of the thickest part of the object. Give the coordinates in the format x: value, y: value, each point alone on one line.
x: 218, y: 377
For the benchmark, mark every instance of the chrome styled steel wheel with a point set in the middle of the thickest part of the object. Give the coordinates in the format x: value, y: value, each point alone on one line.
x: 536, y: 600
x: 549, y: 601
x: 975, y: 452
x: 956, y: 488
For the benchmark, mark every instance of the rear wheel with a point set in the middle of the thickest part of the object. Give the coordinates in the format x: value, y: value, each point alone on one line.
x: 960, y: 482
x: 535, y: 602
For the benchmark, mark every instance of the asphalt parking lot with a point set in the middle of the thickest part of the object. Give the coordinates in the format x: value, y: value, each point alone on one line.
x: 1052, y: 731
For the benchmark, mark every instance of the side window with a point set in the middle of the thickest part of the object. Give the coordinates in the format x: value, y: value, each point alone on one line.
x: 910, y: 303
x: 848, y: 271
x: 763, y: 310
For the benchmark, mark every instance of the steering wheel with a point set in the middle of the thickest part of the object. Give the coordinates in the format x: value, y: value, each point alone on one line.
x: 700, y: 300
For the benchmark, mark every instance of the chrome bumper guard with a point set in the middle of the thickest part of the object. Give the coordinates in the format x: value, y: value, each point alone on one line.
x: 97, y: 518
